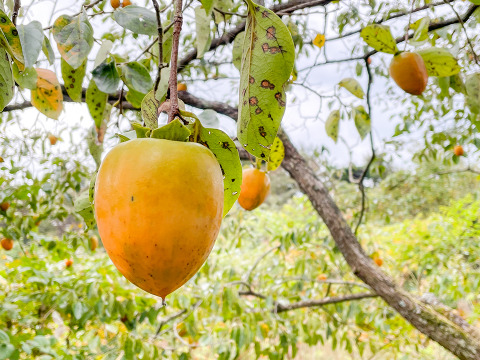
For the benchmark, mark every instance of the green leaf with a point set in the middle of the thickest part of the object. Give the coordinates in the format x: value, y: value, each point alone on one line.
x: 267, y: 62
x: 439, y: 62
x: 135, y: 98
x: 96, y: 103
x: 84, y: 208
x: 457, y: 84
x: 6, y: 79
x: 136, y: 77
x: 94, y: 147
x: 209, y: 118
x: 106, y: 77
x: 150, y: 107
x: 10, y: 40
x: 6, y: 350
x: 380, y: 38
x: 276, y: 155
x: 73, y: 79
x: 202, y: 26
x: 74, y: 37
x: 137, y: 19
x: 26, y: 79
x: 353, y: 86
x: 91, y: 188
x: 163, y: 84
x: 103, y: 52
x: 362, y: 121
x: 472, y: 86
x: 332, y: 124
x: 421, y: 29
x: 48, y: 50
x: 77, y: 310
x: 238, y: 50
x: 31, y: 38
x: 174, y: 130
x: 207, y: 5
x: 227, y: 156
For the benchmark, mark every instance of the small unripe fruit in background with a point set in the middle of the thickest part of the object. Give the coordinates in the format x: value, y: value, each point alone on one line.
x: 378, y: 261
x: 7, y: 244
x: 458, y: 150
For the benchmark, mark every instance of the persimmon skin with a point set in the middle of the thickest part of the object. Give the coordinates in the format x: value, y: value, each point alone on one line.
x: 255, y: 188
x: 7, y: 244
x: 409, y: 72
x: 159, y: 206
x: 458, y: 150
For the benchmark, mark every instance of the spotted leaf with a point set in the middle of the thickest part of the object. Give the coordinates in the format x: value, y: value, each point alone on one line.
x: 353, y: 87
x: 74, y: 37
x: 380, y: 38
x: 73, y: 79
x: 267, y: 62
x: 10, y: 40
x: 332, y: 124
x: 276, y: 155
x: 472, y: 86
x: 48, y: 97
x: 362, y: 121
x: 6, y: 79
x: 227, y: 156
x: 439, y: 62
x: 96, y: 103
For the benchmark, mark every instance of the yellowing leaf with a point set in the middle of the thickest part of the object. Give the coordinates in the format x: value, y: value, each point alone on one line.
x: 6, y: 79
x: 267, y: 62
x: 10, y: 40
x: 332, y: 124
x: 96, y: 103
x: 319, y: 40
x: 380, y: 38
x: 362, y: 121
x: 277, y: 154
x: 48, y: 97
x: 439, y: 62
x: 353, y: 86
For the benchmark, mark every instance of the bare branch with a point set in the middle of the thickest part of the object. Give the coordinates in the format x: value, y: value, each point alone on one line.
x: 279, y: 308
x: 16, y: 9
x: 160, y: 45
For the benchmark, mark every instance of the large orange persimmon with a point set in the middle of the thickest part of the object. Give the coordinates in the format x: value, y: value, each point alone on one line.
x: 159, y: 206
x: 255, y: 188
x: 409, y: 72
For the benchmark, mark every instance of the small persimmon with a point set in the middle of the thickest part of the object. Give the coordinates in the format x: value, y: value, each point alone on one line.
x: 68, y: 263
x: 126, y: 3
x: 322, y: 277
x: 4, y: 205
x: 7, y: 244
x: 159, y: 206
x: 115, y: 3
x: 93, y: 243
x: 409, y: 72
x: 255, y: 188
x: 458, y: 150
x: 181, y: 87
x: 52, y: 138
x: 378, y: 261
x: 1, y: 159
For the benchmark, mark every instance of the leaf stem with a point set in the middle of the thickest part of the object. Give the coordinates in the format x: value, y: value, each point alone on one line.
x: 177, y: 28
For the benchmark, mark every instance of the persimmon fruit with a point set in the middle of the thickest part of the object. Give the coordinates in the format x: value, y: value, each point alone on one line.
x: 115, y: 3
x: 159, y: 206
x: 255, y: 188
x: 4, y: 205
x: 53, y: 139
x: 322, y: 277
x: 68, y: 263
x: 409, y: 72
x: 1, y: 159
x: 458, y: 150
x: 126, y: 3
x: 181, y: 87
x: 7, y: 244
x: 378, y: 261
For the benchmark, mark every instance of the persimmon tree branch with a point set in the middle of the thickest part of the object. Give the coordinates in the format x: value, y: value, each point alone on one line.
x: 16, y: 9
x: 160, y: 44
x: 177, y: 28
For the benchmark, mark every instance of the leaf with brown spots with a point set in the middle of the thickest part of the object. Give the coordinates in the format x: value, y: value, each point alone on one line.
x: 6, y: 79
x: 74, y: 37
x: 48, y: 97
x: 267, y: 62
x: 276, y: 155
x: 73, y: 78
x: 96, y: 103
x: 10, y: 40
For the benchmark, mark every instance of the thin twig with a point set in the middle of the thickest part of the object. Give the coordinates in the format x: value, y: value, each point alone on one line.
x: 255, y: 264
x: 160, y: 45
x: 16, y: 9
x: 168, y: 319
x: 177, y: 28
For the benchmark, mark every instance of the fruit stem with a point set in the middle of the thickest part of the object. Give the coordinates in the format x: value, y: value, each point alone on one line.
x: 177, y: 28
x: 258, y: 163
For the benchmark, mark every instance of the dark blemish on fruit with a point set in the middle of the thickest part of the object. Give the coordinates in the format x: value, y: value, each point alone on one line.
x: 132, y: 197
